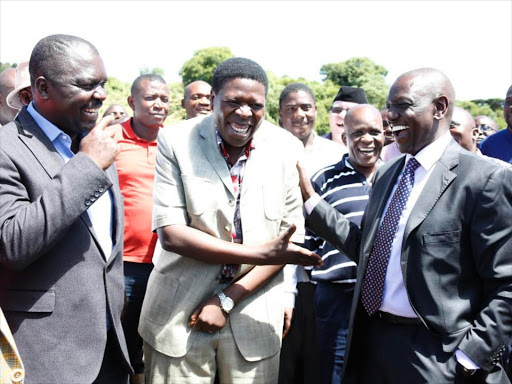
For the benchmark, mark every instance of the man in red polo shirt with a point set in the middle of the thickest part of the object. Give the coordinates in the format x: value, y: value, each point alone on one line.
x: 135, y: 164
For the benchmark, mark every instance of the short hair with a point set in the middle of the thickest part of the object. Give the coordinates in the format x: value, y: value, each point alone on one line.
x: 295, y: 87
x: 149, y: 77
x: 51, y: 55
x: 238, y: 68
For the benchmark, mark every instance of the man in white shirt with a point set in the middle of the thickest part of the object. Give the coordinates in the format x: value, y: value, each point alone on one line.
x: 433, y: 296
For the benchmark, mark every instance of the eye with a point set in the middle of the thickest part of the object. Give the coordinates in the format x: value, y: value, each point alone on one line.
x: 256, y: 107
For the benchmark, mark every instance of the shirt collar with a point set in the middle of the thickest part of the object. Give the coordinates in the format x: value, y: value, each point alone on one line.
x: 49, y: 129
x: 431, y: 154
x: 129, y: 134
x: 220, y: 142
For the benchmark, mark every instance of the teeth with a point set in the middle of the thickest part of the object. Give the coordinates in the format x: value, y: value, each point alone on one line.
x: 240, y: 128
x: 397, y: 128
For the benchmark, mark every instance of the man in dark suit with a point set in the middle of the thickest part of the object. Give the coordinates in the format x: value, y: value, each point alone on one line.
x: 61, y: 222
x: 433, y: 299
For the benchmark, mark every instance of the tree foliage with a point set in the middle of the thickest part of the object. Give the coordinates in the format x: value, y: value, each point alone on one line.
x: 491, y: 107
x: 204, y: 62
x: 153, y: 71
x: 4, y: 66
x: 360, y: 72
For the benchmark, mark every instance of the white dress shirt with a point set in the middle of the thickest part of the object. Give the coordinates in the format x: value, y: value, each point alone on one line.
x: 101, y: 211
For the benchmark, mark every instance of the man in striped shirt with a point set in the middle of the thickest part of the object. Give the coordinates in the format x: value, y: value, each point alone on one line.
x: 346, y: 187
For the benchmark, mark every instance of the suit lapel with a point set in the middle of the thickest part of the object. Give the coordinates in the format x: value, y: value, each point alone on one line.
x: 39, y: 144
x: 439, y: 180
x: 117, y: 212
x: 211, y: 150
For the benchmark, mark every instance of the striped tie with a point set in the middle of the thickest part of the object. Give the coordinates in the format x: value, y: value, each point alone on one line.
x: 373, y: 284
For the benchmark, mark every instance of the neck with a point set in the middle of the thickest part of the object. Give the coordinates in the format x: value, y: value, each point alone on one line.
x: 308, y: 140
x: 144, y: 132
x: 367, y: 172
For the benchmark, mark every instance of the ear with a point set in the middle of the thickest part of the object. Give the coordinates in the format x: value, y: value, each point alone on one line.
x: 212, y: 99
x: 42, y: 87
x: 344, y: 138
x: 474, y: 134
x: 441, y: 107
x: 131, y: 103
x: 183, y: 103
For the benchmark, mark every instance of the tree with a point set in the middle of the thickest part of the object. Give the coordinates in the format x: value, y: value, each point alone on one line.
x: 4, y: 66
x: 153, y: 71
x: 492, y: 108
x: 360, y: 72
x: 204, y: 62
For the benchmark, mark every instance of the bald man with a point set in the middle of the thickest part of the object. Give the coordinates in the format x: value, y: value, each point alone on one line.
x: 433, y: 297
x: 486, y: 127
x: 196, y: 100
x: 465, y: 133
x: 346, y: 187
x: 7, y: 80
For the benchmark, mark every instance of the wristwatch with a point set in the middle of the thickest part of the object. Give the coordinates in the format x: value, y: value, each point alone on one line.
x: 226, y: 303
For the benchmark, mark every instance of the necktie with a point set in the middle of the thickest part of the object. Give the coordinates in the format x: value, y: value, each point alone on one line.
x: 373, y: 284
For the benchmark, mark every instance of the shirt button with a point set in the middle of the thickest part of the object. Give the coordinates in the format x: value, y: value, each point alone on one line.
x: 227, y: 228
x: 17, y: 375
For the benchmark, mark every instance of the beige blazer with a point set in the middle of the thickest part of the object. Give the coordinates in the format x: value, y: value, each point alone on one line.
x: 11, y: 366
x: 193, y: 187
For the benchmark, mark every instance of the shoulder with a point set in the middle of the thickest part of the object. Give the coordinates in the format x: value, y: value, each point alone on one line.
x: 278, y: 139
x: 497, y: 139
x: 187, y: 130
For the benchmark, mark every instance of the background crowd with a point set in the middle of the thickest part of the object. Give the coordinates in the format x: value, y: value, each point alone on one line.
x: 132, y: 248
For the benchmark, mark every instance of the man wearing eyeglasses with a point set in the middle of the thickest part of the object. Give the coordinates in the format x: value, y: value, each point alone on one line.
x: 486, y: 127
x: 500, y: 144
x: 346, y: 98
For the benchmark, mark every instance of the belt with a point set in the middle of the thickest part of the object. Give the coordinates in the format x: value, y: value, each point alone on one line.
x: 398, y: 320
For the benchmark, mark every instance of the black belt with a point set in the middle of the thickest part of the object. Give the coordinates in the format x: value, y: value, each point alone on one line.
x: 398, y: 320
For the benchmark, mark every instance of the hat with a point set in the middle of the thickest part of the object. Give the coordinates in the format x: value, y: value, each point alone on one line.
x: 351, y: 94
x: 21, y: 81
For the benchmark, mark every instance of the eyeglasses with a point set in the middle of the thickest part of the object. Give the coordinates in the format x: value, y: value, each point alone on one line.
x: 485, y: 128
x: 338, y: 110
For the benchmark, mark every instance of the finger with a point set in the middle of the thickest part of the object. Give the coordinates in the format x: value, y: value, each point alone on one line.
x: 193, y: 318
x: 104, y: 122
x: 289, y: 232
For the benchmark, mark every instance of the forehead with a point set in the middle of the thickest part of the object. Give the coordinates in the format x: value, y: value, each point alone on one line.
x: 199, y: 88
x: 509, y: 93
x: 147, y: 86
x: 343, y: 104
x: 85, y: 67
x: 364, y: 118
x: 298, y: 97
x: 463, y: 118
x: 240, y: 88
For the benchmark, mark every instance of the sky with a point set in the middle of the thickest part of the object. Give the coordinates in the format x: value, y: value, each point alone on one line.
x: 470, y: 41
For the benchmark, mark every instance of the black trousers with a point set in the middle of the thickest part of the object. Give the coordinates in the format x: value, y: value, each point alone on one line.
x: 406, y: 354
x: 299, y: 353
x: 113, y: 367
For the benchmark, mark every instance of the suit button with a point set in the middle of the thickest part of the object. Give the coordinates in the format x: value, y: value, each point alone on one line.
x: 17, y: 375
x: 101, y: 188
x: 231, y: 203
x: 87, y: 202
x: 92, y: 198
x: 96, y: 194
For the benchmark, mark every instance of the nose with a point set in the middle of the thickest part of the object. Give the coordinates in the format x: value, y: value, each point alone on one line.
x: 299, y: 112
x: 244, y: 111
x: 204, y: 101
x: 367, y: 138
x: 100, y: 92
x: 391, y: 115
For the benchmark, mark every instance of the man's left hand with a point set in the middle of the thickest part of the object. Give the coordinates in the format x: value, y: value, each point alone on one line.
x: 208, y: 317
x: 288, y: 316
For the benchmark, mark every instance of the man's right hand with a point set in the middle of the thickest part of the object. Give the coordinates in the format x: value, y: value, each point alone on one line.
x: 281, y: 251
x: 100, y: 145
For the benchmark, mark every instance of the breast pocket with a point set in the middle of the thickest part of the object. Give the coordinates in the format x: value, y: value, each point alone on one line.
x: 198, y: 193
x: 29, y: 301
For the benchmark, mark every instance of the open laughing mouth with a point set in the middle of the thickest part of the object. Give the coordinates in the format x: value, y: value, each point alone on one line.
x: 399, y: 130
x: 240, y: 128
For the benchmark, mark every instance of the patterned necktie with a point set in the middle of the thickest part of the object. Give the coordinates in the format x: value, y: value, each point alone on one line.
x: 373, y: 284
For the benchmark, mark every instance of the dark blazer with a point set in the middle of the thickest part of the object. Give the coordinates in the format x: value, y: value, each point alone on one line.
x: 55, y: 282
x: 456, y: 254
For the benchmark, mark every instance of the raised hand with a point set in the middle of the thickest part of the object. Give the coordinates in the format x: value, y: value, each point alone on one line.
x: 281, y: 251
x: 306, y: 188
x: 100, y: 145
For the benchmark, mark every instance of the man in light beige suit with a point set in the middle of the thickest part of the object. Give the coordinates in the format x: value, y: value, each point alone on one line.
x: 11, y: 366
x: 226, y: 199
